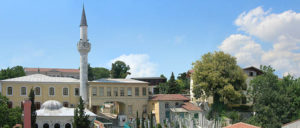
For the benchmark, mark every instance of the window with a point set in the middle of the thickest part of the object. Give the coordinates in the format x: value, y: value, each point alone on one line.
x: 23, y: 91
x: 166, y: 105
x: 129, y: 109
x: 250, y: 73
x: 177, y: 104
x: 108, y: 91
x: 144, y: 108
x: 94, y: 91
x: 122, y: 93
x: 65, y: 104
x: 137, y: 91
x: 115, y: 91
x: 51, y: 91
x: 37, y: 91
x: 144, y: 91
x: 101, y: 91
x: 46, y: 125
x: 68, y: 125
x: 57, y: 125
x: 37, y: 105
x: 65, y: 91
x: 196, y: 115
x: 10, y: 91
x: 9, y: 104
x: 22, y: 105
x: 129, y: 92
x: 77, y: 92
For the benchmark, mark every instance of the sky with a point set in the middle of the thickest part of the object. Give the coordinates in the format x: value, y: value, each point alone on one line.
x: 152, y: 36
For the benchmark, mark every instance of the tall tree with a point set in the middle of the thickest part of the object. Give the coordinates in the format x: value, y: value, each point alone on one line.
x: 119, y: 69
x: 3, y: 110
x: 151, y: 119
x: 183, y: 82
x: 90, y: 73
x: 137, y: 120
x: 173, y: 86
x: 218, y: 75
x: 33, y: 109
x: 9, y: 117
x: 81, y: 120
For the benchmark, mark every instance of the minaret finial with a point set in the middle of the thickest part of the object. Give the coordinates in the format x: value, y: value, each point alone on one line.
x: 83, y: 18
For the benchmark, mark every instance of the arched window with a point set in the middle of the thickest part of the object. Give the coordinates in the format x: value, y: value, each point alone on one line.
x: 57, y: 125
x: 23, y: 91
x: 51, y: 91
x: 36, y: 125
x: 46, y: 125
x: 68, y: 125
x: 10, y: 91
x: 37, y: 91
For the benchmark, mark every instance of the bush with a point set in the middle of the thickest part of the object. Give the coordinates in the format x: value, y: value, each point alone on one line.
x: 158, y: 126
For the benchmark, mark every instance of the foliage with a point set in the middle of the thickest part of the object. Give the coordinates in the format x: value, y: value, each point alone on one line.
x: 183, y: 82
x: 13, y: 72
x: 173, y: 86
x: 151, y: 120
x: 81, y: 120
x: 137, y: 119
x: 163, y: 76
x: 275, y: 101
x: 33, y: 109
x: 143, y: 122
x: 119, y: 70
x: 158, y: 126
x: 97, y: 73
x: 9, y: 117
x: 163, y: 88
x: 217, y: 74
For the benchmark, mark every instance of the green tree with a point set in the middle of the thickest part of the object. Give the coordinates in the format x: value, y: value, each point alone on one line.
x: 13, y: 72
x: 3, y: 110
x: 137, y: 120
x: 90, y: 73
x: 119, y: 69
x: 143, y: 122
x: 217, y: 74
x: 14, y: 116
x: 81, y: 120
x: 275, y: 101
x: 33, y: 109
x: 151, y: 119
x: 163, y: 88
x: 183, y: 82
x: 100, y: 72
x: 173, y: 86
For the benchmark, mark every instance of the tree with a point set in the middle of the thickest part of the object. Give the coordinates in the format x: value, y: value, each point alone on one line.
x: 81, y: 120
x: 9, y: 117
x: 173, y: 86
x: 97, y: 73
x: 13, y: 72
x: 183, y: 82
x: 143, y: 122
x: 14, y: 116
x: 33, y: 109
x: 137, y: 120
x: 275, y: 101
x: 100, y: 72
x: 3, y: 110
x: 218, y: 75
x: 119, y: 70
x: 151, y: 119
x: 163, y: 88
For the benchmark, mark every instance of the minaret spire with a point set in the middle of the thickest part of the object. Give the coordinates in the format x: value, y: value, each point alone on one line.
x: 83, y: 18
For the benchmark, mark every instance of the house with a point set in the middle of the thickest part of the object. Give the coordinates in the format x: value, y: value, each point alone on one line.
x: 241, y: 125
x: 55, y: 72
x: 153, y: 83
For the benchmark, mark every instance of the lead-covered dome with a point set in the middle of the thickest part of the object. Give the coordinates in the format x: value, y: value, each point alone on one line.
x: 52, y: 105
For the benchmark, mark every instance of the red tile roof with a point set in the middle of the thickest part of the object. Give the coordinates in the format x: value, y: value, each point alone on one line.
x: 51, y: 69
x: 190, y: 107
x: 241, y: 125
x: 174, y: 97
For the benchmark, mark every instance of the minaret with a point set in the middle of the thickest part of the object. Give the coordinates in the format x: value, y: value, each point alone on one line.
x: 83, y: 47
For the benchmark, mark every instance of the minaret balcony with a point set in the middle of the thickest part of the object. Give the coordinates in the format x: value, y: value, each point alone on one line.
x: 83, y: 46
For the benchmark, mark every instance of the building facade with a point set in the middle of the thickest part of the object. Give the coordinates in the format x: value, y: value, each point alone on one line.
x: 153, y: 83
x: 55, y: 72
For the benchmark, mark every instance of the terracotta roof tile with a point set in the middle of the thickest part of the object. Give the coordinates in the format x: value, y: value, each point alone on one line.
x: 174, y: 97
x: 190, y: 107
x: 241, y: 125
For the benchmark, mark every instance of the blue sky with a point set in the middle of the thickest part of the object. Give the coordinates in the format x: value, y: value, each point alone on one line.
x: 161, y: 36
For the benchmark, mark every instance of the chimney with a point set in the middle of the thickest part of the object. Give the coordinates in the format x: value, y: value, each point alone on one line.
x: 27, y: 113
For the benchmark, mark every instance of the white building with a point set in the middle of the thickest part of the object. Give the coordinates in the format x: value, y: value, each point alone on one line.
x: 53, y: 115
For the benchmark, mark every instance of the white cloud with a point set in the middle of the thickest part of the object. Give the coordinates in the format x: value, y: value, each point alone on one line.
x: 140, y: 65
x: 281, y: 30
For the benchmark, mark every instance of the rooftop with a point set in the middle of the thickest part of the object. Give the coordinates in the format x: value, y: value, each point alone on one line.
x: 111, y: 80
x: 41, y: 78
x: 169, y: 97
x: 148, y: 78
x: 51, y: 69
x: 190, y: 107
x: 241, y: 125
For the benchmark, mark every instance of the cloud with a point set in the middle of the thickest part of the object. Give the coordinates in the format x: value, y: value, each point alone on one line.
x: 140, y: 64
x: 281, y: 31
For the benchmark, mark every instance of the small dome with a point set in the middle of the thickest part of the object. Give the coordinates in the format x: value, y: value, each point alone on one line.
x: 51, y: 105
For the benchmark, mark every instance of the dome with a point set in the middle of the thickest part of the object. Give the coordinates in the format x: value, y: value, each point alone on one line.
x: 51, y: 105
